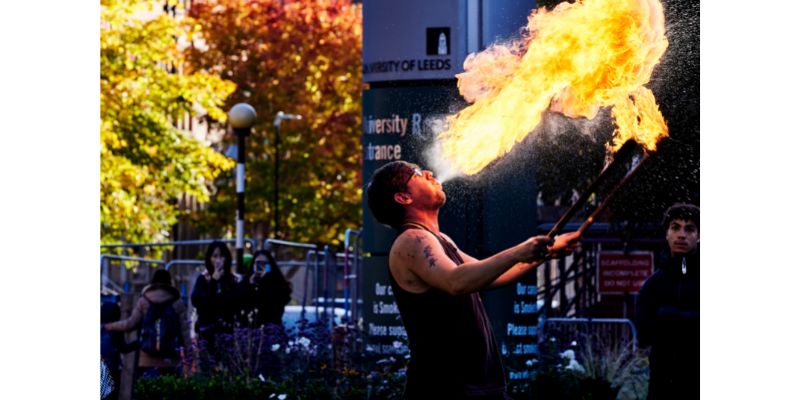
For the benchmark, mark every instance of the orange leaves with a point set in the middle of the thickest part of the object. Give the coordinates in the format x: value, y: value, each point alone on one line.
x: 303, y: 57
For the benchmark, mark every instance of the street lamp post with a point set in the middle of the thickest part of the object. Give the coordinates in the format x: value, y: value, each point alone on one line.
x: 279, y: 117
x: 241, y: 116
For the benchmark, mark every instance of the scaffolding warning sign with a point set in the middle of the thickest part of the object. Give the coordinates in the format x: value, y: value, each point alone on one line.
x: 618, y: 272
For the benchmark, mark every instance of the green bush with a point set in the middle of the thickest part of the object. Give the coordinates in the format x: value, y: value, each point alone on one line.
x: 592, y: 367
x: 198, y: 387
x: 307, y: 361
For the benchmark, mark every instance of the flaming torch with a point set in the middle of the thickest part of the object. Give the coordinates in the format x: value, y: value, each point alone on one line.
x: 610, y: 195
x: 574, y: 60
x: 621, y: 155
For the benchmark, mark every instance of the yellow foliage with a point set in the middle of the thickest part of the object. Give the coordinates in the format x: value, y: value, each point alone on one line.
x: 146, y: 163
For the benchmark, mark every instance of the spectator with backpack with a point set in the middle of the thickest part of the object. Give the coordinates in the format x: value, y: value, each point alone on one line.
x: 163, y: 325
x: 266, y: 291
x: 217, y: 294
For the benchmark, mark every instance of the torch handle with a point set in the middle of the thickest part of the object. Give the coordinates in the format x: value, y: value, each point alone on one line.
x: 611, y: 194
x: 622, y: 154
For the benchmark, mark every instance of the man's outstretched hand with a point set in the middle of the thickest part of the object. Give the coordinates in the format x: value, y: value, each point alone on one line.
x: 563, y: 245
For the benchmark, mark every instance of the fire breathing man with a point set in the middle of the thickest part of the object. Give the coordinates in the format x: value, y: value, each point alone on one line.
x: 453, y: 350
x: 668, y: 309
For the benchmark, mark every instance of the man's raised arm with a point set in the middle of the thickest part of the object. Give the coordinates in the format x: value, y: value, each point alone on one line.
x: 421, y: 253
x: 561, y: 246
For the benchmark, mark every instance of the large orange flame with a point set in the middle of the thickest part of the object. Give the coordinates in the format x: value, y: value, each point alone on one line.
x: 573, y: 60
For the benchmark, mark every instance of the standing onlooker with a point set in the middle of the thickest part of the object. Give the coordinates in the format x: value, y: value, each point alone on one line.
x: 267, y: 291
x: 163, y: 324
x: 668, y: 309
x: 216, y: 295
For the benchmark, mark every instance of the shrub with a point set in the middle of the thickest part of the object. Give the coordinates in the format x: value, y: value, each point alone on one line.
x: 306, y: 361
x: 592, y: 367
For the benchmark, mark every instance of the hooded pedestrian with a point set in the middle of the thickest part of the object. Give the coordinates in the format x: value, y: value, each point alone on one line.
x: 668, y: 309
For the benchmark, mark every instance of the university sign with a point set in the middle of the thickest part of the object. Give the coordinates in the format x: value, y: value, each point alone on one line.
x: 414, y: 40
x: 398, y: 124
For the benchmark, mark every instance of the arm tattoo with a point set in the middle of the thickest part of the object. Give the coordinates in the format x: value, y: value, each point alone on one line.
x: 427, y: 251
x: 429, y: 255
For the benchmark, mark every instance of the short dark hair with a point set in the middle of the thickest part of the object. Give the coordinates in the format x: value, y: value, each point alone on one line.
x: 386, y: 181
x: 688, y: 212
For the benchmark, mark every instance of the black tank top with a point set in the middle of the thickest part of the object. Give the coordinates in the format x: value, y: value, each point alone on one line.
x: 453, y: 351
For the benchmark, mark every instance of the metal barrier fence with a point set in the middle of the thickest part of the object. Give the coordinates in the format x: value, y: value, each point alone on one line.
x: 105, y: 268
x: 249, y: 241
x: 326, y: 266
x: 313, y: 249
x: 351, y: 274
x: 330, y: 280
x: 181, y: 278
x: 604, y: 348
x: 601, y: 332
x: 124, y: 278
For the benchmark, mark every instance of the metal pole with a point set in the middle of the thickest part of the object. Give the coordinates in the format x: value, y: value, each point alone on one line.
x: 277, y: 180
x: 547, y: 288
x: 269, y: 243
x: 562, y: 286
x: 357, y: 273
x: 348, y: 314
x: 176, y: 243
x: 104, y: 278
x: 242, y: 116
x: 241, y: 134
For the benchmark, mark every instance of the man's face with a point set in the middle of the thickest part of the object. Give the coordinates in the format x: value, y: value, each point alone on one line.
x: 682, y: 236
x: 425, y: 189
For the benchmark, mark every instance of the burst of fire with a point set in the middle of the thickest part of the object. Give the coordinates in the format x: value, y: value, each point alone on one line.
x: 573, y: 60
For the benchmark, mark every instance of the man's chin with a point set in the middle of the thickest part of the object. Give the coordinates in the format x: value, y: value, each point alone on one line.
x: 681, y: 251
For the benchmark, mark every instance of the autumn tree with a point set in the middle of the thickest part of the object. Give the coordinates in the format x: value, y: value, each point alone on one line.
x: 146, y: 162
x: 300, y: 57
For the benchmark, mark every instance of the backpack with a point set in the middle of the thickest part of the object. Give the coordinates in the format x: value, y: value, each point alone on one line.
x: 161, y: 330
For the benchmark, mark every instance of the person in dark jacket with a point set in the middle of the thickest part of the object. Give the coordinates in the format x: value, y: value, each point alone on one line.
x: 266, y: 291
x: 668, y: 310
x: 216, y: 294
